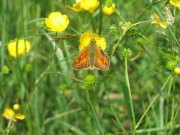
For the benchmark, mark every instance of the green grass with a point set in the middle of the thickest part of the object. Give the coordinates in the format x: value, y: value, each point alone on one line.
x: 139, y: 94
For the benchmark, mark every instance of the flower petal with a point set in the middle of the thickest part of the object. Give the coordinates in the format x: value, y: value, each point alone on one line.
x: 85, y: 39
x: 176, y: 3
x: 20, y: 116
x: 87, y: 36
x: 77, y: 7
x: 101, y: 43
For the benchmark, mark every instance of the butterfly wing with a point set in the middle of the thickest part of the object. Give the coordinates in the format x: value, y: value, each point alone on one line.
x: 102, y: 60
x: 82, y: 60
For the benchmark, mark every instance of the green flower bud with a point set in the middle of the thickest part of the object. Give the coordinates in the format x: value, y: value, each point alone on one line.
x: 90, y: 80
x: 28, y: 67
x: 5, y: 70
x: 171, y: 64
x: 127, y: 52
x: 41, y: 24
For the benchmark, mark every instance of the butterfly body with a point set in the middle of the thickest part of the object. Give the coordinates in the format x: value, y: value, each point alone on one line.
x: 92, y: 57
x: 92, y: 54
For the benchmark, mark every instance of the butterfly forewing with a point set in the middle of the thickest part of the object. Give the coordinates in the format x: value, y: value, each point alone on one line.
x: 82, y: 60
x: 102, y: 60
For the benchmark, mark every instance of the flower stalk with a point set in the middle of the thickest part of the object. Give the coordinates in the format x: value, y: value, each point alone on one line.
x: 130, y: 97
x: 8, y: 127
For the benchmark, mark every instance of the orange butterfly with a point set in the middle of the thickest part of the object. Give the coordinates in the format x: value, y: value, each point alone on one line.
x: 91, y: 56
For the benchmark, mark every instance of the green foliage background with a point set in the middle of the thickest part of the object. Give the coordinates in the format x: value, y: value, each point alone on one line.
x: 59, y: 100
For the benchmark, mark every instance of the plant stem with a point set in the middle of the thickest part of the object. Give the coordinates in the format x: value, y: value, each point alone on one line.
x: 154, y: 99
x: 8, y: 127
x: 130, y: 98
x: 151, y: 130
x: 124, y: 34
x: 3, y: 32
x: 113, y: 111
x: 93, y: 24
x: 119, y: 16
x: 100, y: 20
x: 58, y: 116
x: 145, y: 10
x: 94, y: 113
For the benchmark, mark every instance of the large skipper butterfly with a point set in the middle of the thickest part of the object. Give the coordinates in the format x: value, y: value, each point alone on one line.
x: 91, y: 57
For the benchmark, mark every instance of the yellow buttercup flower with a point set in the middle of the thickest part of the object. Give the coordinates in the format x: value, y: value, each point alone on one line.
x: 109, y: 9
x: 77, y: 7
x: 57, y: 22
x: 156, y: 20
x: 87, y: 36
x: 18, y: 48
x: 11, y: 115
x: 176, y: 3
x: 16, y: 107
x: 88, y: 5
x: 177, y: 70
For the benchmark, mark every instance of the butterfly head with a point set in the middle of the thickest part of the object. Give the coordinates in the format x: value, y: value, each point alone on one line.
x: 93, y: 41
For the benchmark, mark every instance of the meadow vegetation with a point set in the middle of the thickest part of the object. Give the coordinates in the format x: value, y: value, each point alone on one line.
x: 42, y: 94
